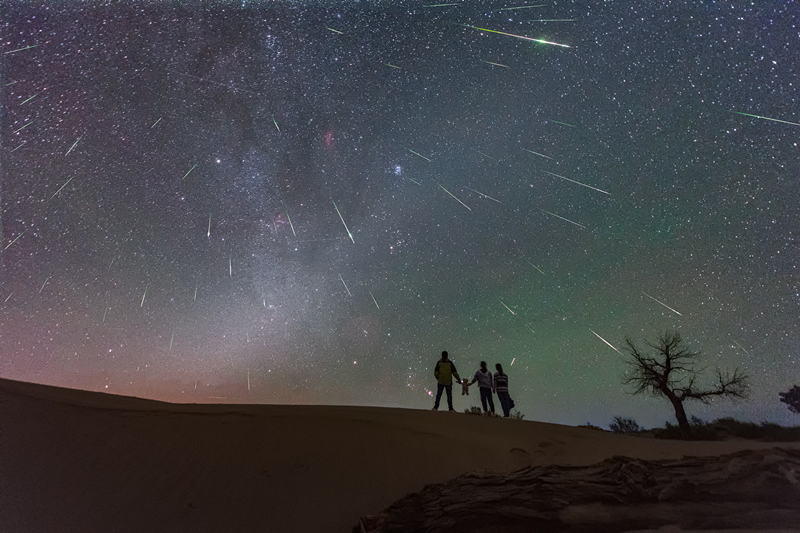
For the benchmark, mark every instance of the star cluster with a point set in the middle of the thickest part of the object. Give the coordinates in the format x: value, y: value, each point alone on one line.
x: 298, y: 202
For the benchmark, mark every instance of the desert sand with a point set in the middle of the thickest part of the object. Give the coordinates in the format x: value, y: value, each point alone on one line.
x: 84, y: 461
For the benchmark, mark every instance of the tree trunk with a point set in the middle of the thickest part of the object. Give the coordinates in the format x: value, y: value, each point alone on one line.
x: 680, y: 414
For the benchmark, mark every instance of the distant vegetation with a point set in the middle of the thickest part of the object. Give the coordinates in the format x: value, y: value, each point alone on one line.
x: 474, y: 410
x: 792, y: 399
x: 516, y: 415
x: 627, y: 426
x: 726, y: 428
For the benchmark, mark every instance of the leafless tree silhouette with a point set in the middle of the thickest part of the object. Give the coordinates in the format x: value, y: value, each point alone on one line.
x: 672, y: 373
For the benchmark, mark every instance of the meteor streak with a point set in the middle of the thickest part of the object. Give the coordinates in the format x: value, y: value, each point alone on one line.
x: 335, y: 31
x: 486, y: 195
x: 156, y: 122
x: 195, y: 293
x: 104, y: 314
x: 374, y: 300
x: 345, y: 225
x: 562, y: 218
x: 496, y: 64
x: 143, y: 295
x: 484, y: 155
x: 172, y: 339
x: 512, y: 361
x: 230, y: 265
x: 15, y: 240
x: 430, y: 5
x: 393, y: 66
x: 509, y: 310
x: 457, y: 200
x: 7, y: 298
x: 756, y: 116
x: 537, y: 153
x: 537, y: 268
x: 290, y: 223
x: 43, y: 284
x: 662, y: 303
x: 184, y: 176
x: 579, y: 183
x: 605, y: 341
x: 21, y: 49
x: 31, y: 98
x: 415, y: 153
x: 562, y: 123
x: 209, y: 226
x: 520, y: 7
x: 742, y: 347
x: 276, y: 124
x: 248, y: 380
x: 517, y: 36
x: 73, y: 146
x: 59, y: 190
x: 18, y: 147
x: 23, y: 127
x: 345, y: 285
x: 415, y: 181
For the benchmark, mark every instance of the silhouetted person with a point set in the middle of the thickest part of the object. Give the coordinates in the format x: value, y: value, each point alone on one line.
x: 444, y: 372
x: 501, y: 388
x: 484, y: 379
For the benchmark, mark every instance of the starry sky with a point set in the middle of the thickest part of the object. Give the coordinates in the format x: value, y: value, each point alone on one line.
x: 306, y: 202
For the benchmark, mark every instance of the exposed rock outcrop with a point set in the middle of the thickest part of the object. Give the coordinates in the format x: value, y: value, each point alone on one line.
x: 749, y: 490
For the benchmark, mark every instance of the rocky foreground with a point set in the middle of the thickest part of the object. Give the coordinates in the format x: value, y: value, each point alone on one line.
x: 753, y: 490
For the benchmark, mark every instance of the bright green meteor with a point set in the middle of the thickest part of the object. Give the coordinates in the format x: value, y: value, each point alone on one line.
x: 517, y: 36
x: 766, y: 118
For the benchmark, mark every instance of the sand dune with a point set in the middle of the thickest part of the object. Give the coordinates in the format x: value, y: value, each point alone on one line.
x: 85, y: 461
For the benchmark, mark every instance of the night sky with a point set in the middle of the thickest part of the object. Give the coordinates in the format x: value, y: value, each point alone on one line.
x: 307, y: 202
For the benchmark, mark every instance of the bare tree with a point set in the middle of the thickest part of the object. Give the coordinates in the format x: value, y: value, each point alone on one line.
x: 672, y: 373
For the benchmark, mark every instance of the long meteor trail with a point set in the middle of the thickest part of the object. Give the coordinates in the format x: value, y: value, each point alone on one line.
x: 21, y: 49
x: 345, y: 285
x: 59, y: 190
x: 509, y: 310
x: 290, y: 223
x: 534, y: 266
x: 484, y: 195
x: 517, y: 36
x: 73, y: 145
x: 579, y: 183
x: 15, y: 240
x: 662, y: 303
x: 537, y: 153
x: 562, y: 218
x: 766, y: 118
x: 43, y: 284
x: 457, y: 200
x: 184, y: 176
x: 420, y: 155
x: 345, y: 225
x: 605, y: 341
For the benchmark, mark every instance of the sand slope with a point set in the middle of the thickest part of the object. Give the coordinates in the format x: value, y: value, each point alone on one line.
x: 84, y: 461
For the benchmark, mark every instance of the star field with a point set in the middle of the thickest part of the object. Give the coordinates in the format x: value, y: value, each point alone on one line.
x: 296, y: 202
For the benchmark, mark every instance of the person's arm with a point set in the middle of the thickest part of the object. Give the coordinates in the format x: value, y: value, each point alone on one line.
x: 455, y: 372
x: 436, y: 370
